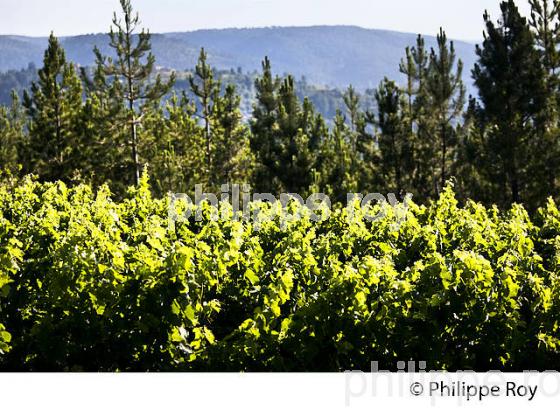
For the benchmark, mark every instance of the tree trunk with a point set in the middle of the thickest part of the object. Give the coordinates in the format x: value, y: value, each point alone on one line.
x: 131, y: 100
x: 133, y: 135
x: 208, y: 146
x: 396, y: 159
x: 59, y: 154
x: 135, y: 160
x: 208, y: 143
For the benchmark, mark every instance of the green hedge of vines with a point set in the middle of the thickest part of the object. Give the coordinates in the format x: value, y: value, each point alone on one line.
x: 89, y: 284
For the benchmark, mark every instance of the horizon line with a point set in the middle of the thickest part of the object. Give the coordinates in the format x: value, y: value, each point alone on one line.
x: 470, y: 41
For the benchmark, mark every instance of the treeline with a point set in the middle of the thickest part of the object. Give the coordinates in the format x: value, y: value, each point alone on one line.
x: 325, y: 99
x: 108, y: 124
x: 16, y: 80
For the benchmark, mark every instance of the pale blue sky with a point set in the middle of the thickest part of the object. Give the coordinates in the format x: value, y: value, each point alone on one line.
x: 462, y: 19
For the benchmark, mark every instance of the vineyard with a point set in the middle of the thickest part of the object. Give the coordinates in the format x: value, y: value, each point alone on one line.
x: 94, y: 284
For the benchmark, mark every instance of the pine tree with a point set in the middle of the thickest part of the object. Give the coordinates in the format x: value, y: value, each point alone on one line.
x: 206, y: 89
x: 356, y: 118
x: 352, y: 103
x: 106, y: 150
x: 393, y: 139
x: 130, y: 79
x: 175, y: 146
x: 545, y: 23
x: 185, y: 144
x: 407, y: 66
x: 286, y: 135
x: 417, y: 118
x: 12, y: 135
x: 445, y: 99
x: 414, y: 67
x: 54, y: 109
x: 232, y: 155
x: 295, y: 165
x: 263, y: 140
x: 509, y: 77
x: 338, y: 176
x: 366, y: 156
x: 473, y: 181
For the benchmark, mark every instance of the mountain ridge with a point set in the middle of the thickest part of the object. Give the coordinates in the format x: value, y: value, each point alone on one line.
x: 334, y: 56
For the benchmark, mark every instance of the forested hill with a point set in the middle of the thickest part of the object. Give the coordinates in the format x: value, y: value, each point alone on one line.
x: 326, y: 55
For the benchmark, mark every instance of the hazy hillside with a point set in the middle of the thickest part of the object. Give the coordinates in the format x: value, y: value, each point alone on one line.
x: 327, y: 55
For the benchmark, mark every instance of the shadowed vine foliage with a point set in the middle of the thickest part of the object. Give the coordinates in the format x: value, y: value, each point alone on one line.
x: 88, y: 283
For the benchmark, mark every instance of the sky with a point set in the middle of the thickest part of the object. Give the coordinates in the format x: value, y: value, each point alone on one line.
x: 462, y: 19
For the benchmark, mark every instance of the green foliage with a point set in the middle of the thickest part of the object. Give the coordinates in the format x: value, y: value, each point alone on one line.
x: 233, y: 160
x: 175, y: 146
x: 97, y: 279
x: 54, y: 108
x: 92, y: 284
x: 286, y: 136
x: 445, y: 99
x: 263, y: 122
x: 545, y: 22
x: 16, y: 80
x: 206, y: 89
x: 411, y: 138
x: 395, y: 145
x: 12, y: 136
x: 338, y: 172
x: 512, y: 145
x: 420, y: 123
x: 225, y: 148
x: 124, y: 82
